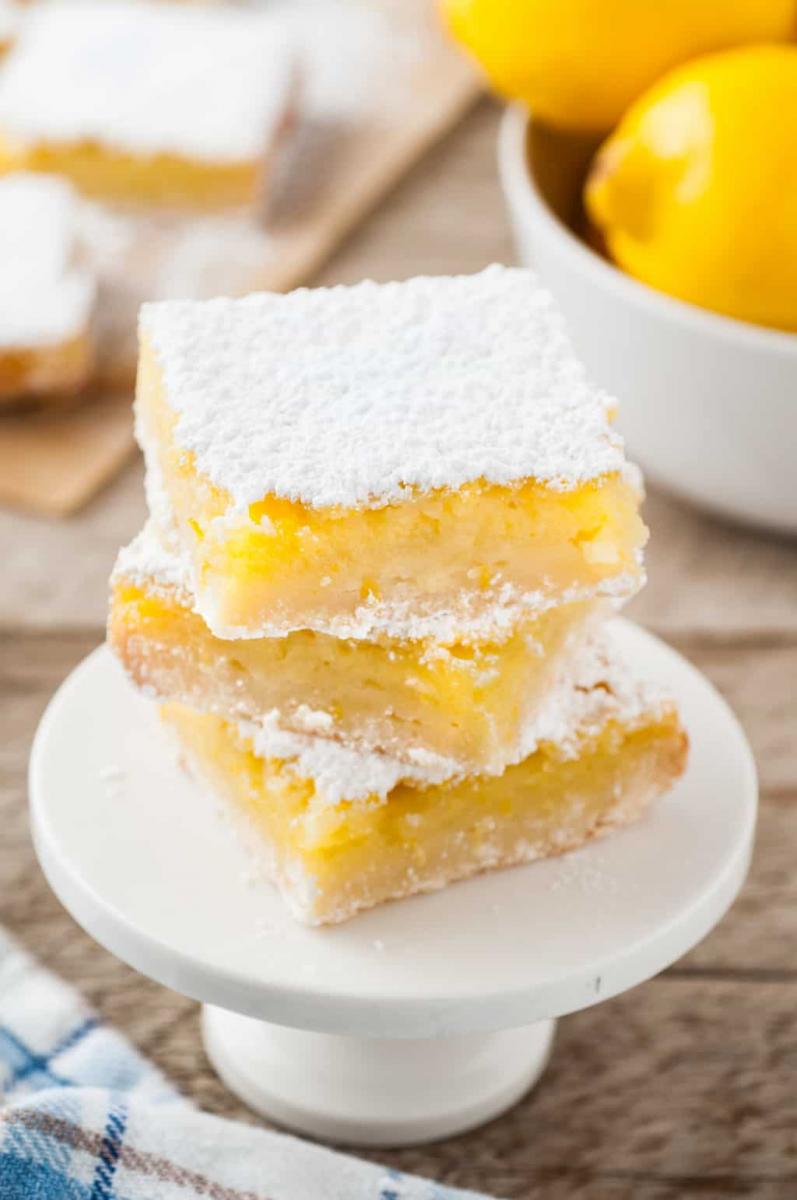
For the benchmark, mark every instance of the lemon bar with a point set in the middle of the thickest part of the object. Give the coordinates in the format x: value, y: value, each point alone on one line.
x: 408, y: 459
x: 341, y: 832
x: 150, y: 103
x: 46, y: 295
x: 465, y: 702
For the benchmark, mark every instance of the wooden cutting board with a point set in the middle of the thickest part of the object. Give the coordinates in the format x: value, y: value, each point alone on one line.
x: 379, y: 88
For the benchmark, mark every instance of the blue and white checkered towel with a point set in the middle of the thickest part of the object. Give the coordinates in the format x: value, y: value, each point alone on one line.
x: 84, y: 1117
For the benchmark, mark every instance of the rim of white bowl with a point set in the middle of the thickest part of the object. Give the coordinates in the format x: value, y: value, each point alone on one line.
x: 522, y: 193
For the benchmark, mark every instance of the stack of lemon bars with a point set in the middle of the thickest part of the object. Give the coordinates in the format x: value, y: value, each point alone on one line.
x: 388, y: 524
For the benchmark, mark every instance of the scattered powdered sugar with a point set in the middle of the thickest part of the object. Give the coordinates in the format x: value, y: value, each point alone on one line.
x: 599, y: 687
x: 161, y: 527
x: 46, y: 296
x: 113, y: 780
x: 208, y: 84
x: 467, y: 620
x: 337, y: 771
x: 588, y: 874
x: 313, y: 720
x: 351, y: 395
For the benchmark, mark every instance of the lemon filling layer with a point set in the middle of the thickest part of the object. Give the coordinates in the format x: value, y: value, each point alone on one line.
x: 436, y: 563
x: 467, y: 702
x: 331, y: 860
x: 160, y: 179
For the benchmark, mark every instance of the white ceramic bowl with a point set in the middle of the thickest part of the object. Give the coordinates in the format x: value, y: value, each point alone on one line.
x: 708, y: 404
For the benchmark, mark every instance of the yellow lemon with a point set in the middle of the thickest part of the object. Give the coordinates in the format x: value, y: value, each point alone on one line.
x: 580, y: 63
x: 696, y: 191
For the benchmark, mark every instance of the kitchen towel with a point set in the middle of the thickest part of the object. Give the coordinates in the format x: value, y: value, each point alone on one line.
x: 83, y: 1116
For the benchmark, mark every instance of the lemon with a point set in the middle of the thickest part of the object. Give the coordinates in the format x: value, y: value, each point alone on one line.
x: 696, y: 191
x: 580, y: 63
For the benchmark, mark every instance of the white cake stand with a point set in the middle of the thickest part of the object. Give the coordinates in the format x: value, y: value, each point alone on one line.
x: 419, y: 1019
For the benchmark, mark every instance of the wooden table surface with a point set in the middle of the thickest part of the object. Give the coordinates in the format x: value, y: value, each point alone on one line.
x: 686, y: 1086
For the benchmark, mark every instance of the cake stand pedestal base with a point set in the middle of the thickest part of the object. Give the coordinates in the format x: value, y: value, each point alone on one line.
x: 374, y: 1091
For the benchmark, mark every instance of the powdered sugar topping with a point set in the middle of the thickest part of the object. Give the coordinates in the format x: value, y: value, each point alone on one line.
x: 337, y: 771
x: 45, y: 295
x: 151, y: 562
x: 147, y: 78
x: 351, y: 395
x: 601, y: 687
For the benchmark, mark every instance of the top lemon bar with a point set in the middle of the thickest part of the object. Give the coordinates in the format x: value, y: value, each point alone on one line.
x: 417, y: 459
x: 146, y: 102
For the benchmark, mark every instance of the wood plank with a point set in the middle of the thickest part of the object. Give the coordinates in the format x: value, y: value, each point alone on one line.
x: 757, y: 940
x: 713, y: 578
x: 757, y: 677
x: 679, y: 1088
x: 55, y: 572
x: 52, y: 461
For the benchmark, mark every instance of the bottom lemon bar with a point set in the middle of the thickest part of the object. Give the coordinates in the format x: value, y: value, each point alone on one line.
x: 343, y: 831
x: 466, y: 702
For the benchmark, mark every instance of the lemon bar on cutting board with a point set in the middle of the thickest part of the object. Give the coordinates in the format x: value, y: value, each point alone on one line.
x: 463, y: 701
x: 406, y: 459
x: 145, y: 102
x: 341, y: 831
x: 47, y: 295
